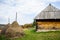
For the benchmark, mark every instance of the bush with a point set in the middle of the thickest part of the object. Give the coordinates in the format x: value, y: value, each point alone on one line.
x: 28, y: 26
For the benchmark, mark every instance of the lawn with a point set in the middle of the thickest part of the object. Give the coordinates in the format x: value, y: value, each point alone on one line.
x: 32, y: 35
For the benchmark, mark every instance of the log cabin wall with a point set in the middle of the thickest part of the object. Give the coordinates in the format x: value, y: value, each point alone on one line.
x: 48, y: 25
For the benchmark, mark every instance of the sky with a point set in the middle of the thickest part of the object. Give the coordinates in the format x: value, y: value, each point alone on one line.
x: 26, y: 9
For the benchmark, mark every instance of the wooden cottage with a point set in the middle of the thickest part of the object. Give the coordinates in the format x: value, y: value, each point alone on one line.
x: 49, y: 18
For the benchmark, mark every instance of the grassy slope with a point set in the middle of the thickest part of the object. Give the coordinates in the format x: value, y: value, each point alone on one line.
x: 32, y: 35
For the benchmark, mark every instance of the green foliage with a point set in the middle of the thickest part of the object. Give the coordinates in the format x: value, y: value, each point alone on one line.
x: 28, y: 26
x: 2, y: 37
x: 34, y: 23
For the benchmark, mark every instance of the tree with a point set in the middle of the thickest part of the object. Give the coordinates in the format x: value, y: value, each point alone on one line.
x: 34, y: 23
x: 28, y: 25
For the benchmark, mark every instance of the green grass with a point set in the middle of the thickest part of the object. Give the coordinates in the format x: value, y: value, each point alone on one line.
x: 32, y: 35
x: 2, y: 37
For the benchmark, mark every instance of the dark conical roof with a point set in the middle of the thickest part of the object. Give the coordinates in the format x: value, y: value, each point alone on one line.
x: 50, y: 12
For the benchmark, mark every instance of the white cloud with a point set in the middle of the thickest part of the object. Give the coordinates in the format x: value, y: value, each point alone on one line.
x: 29, y: 6
x: 53, y: 0
x: 26, y: 9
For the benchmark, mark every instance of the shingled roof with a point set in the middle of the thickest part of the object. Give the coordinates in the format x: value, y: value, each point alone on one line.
x: 50, y: 12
